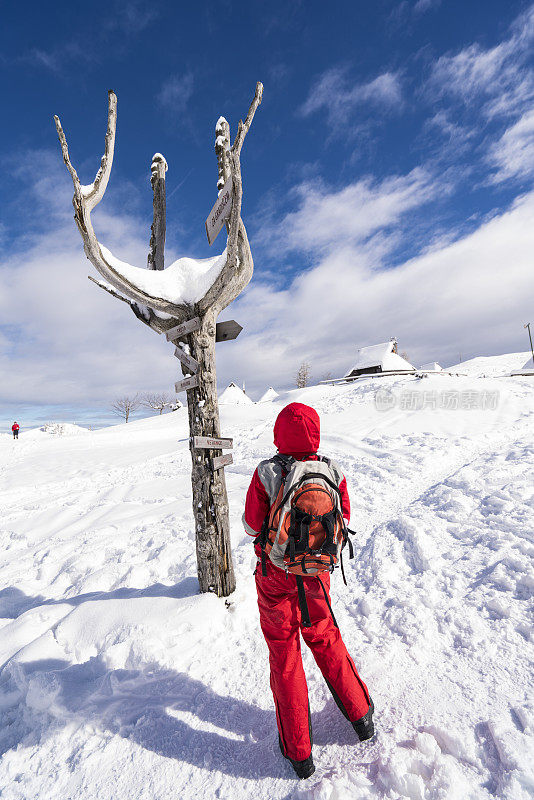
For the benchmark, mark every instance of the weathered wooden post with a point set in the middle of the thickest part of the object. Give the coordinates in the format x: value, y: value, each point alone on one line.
x: 191, y: 326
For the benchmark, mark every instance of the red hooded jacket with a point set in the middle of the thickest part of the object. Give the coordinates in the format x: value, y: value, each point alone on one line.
x: 15, y: 426
x: 297, y: 432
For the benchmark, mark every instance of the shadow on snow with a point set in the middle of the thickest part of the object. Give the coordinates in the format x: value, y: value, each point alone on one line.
x: 13, y: 602
x: 160, y: 710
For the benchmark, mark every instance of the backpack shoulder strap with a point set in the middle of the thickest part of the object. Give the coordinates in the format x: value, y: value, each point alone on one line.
x: 285, y: 461
x: 274, y: 472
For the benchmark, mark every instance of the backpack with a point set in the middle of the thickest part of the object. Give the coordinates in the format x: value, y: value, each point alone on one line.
x: 304, y: 532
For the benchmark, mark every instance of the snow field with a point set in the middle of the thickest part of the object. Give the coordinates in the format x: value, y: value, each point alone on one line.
x: 119, y: 681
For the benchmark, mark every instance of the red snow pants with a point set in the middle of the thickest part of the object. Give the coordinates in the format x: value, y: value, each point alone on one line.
x: 280, y: 621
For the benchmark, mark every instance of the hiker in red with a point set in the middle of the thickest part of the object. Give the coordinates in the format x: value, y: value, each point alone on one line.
x: 297, y: 434
x: 15, y: 428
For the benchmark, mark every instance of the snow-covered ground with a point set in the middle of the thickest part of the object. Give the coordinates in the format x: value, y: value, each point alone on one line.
x: 491, y: 366
x: 120, y: 682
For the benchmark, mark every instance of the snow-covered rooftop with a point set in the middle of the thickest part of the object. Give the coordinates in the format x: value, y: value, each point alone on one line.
x: 379, y: 355
x: 234, y: 396
x: 270, y: 394
x: 432, y: 366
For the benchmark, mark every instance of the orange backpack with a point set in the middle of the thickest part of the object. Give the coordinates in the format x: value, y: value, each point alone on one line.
x: 304, y: 532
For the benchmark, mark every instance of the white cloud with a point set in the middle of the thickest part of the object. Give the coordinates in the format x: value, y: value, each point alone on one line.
x: 341, y: 97
x: 176, y: 92
x: 498, y: 78
x: 469, y: 296
x: 62, y: 340
x: 131, y: 16
x: 425, y: 5
x: 329, y: 218
x: 513, y: 154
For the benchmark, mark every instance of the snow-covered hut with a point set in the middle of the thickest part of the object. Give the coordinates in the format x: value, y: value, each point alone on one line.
x: 234, y: 396
x: 379, y: 358
x: 526, y: 369
x: 270, y: 395
x: 432, y: 366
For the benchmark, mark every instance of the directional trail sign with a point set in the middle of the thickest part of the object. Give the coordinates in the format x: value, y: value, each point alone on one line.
x: 188, y: 361
x: 187, y: 383
x: 220, y: 212
x: 222, y: 461
x: 225, y: 331
x: 202, y: 442
x: 181, y: 330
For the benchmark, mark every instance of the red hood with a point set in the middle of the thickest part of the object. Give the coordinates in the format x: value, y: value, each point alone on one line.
x: 297, y: 430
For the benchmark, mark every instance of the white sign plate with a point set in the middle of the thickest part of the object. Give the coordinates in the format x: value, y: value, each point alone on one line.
x: 220, y: 212
x: 180, y: 330
x: 187, y: 383
x: 188, y: 361
x: 200, y: 442
x: 222, y: 461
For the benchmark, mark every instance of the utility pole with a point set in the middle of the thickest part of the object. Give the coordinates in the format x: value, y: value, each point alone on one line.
x: 530, y: 337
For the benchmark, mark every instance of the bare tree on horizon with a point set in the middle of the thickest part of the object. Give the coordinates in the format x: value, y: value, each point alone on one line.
x: 302, y: 378
x: 124, y: 406
x: 157, y: 401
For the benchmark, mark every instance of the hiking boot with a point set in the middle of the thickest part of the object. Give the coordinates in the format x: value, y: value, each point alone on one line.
x: 303, y: 768
x: 364, y: 726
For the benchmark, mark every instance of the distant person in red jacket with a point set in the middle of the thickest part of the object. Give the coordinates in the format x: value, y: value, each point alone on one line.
x: 282, y: 615
x: 15, y: 428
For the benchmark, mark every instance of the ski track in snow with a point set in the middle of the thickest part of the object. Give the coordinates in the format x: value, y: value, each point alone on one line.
x: 119, y: 681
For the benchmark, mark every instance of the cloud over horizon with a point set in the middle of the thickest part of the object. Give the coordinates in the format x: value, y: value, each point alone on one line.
x: 77, y: 345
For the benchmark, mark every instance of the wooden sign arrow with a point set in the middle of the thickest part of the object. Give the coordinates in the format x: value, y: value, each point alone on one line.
x: 222, y: 461
x: 220, y: 212
x: 188, y: 361
x: 188, y: 326
x: 200, y: 442
x: 224, y: 331
x: 187, y: 383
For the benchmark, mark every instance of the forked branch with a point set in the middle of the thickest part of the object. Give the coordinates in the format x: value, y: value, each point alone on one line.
x: 85, y: 199
x: 243, y: 127
x: 126, y: 279
x: 237, y: 271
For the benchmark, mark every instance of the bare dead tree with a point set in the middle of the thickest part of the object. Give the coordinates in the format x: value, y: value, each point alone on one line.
x: 157, y: 401
x: 404, y: 355
x: 161, y: 311
x: 125, y: 406
x: 302, y: 378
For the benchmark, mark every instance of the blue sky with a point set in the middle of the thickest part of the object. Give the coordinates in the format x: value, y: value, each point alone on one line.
x: 388, y: 184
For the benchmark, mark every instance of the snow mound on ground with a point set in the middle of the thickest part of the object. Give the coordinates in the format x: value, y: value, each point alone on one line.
x: 234, y: 396
x: 185, y: 281
x: 269, y: 395
x: 63, y: 429
x: 491, y: 366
